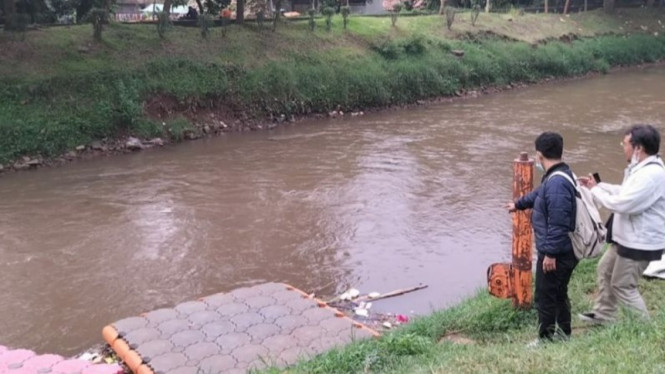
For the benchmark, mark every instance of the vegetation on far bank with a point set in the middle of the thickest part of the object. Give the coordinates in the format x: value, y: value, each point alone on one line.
x: 486, y: 335
x: 59, y: 90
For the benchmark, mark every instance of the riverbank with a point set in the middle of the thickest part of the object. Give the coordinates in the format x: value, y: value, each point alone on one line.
x: 63, y: 97
x: 485, y: 335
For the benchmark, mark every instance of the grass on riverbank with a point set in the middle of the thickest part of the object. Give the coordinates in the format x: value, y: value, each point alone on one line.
x: 58, y: 91
x: 500, y: 335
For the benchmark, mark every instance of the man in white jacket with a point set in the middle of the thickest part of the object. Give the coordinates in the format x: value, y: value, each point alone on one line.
x: 638, y: 227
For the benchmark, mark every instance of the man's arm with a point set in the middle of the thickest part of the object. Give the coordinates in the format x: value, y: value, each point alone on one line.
x: 526, y: 201
x: 634, y: 197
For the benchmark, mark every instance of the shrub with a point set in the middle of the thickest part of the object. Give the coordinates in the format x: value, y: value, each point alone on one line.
x: 312, y: 22
x: 397, y: 8
x: 98, y: 17
x: 346, y: 11
x: 328, y: 12
x: 163, y: 24
x: 450, y: 16
x: 475, y: 12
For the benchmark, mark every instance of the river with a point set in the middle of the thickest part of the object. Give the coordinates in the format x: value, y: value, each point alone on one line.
x: 378, y: 202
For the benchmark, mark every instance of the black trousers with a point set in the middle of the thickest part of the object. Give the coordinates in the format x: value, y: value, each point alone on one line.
x: 552, y: 295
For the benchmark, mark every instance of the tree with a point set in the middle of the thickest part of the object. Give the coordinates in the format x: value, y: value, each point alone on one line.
x: 240, y: 11
x: 488, y: 6
x: 9, y: 8
x: 608, y: 5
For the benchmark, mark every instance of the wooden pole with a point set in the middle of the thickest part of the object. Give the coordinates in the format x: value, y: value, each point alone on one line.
x: 565, y: 8
x: 522, y: 234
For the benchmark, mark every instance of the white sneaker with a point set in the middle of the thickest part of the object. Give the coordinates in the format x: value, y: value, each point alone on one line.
x: 534, y: 343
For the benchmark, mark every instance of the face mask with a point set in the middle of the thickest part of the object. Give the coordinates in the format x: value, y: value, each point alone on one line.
x: 540, y: 167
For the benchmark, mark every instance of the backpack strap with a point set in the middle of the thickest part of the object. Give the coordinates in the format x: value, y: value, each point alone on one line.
x: 561, y: 173
x: 568, y: 178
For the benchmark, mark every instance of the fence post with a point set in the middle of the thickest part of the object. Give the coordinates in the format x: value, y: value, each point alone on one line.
x: 522, y: 234
x: 513, y: 281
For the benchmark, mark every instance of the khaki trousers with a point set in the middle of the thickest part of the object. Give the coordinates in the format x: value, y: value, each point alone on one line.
x: 617, y: 282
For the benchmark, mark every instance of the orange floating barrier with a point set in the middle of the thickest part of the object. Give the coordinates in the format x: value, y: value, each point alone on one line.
x: 514, y: 280
x: 133, y: 360
x: 121, y: 348
x: 110, y: 334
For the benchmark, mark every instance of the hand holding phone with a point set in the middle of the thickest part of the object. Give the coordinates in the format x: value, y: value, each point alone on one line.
x: 596, y: 177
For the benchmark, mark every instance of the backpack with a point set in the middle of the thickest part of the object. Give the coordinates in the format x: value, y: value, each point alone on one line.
x: 589, y: 235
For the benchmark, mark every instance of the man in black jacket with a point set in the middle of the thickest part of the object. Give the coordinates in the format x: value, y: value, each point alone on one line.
x: 553, y: 218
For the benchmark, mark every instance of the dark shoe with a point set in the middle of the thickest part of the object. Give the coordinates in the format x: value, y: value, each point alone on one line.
x: 590, y: 317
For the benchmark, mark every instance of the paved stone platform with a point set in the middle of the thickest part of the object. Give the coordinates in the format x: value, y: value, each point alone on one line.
x: 248, y: 328
x: 23, y: 361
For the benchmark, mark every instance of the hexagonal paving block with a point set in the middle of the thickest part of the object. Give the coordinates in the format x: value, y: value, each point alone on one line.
x: 272, y: 312
x: 217, y: 364
x: 232, y: 309
x: 290, y: 323
x: 203, y: 317
x: 142, y: 335
x: 262, y: 331
x: 248, y: 328
x: 172, y: 326
x: 160, y: 315
x: 230, y: 342
x: 190, y: 307
x: 249, y: 353
x: 218, y: 328
x: 199, y: 351
x: 245, y: 320
x: 217, y: 300
x: 187, y: 338
x: 167, y: 362
x: 127, y: 325
x: 279, y: 343
x: 153, y: 348
x: 259, y: 302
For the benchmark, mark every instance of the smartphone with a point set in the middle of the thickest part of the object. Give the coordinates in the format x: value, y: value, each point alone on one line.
x: 596, y: 177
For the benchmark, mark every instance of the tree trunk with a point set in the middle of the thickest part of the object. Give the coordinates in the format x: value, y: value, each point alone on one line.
x: 278, y: 6
x: 488, y: 6
x: 565, y: 7
x: 608, y: 5
x: 240, y: 11
x: 442, y: 6
x: 586, y: 5
x: 547, y: 7
x: 200, y: 5
x: 167, y: 6
x: 10, y: 9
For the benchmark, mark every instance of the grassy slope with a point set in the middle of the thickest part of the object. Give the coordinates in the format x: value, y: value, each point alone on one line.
x: 55, y: 51
x: 58, y: 90
x: 500, y: 335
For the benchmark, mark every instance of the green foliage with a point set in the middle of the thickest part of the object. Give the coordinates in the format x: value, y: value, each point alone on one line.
x: 98, y: 17
x: 450, y: 16
x: 163, y: 24
x: 204, y: 22
x: 346, y: 11
x: 50, y: 115
x: 177, y: 127
x: 328, y: 12
x: 397, y: 8
x: 475, y: 12
x: 17, y: 22
x: 311, y: 22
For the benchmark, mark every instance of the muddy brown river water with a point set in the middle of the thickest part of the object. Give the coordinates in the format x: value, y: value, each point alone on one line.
x: 378, y: 202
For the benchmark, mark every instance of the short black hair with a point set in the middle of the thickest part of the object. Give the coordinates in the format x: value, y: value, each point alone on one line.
x: 550, y: 144
x: 645, y: 136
